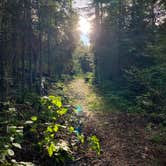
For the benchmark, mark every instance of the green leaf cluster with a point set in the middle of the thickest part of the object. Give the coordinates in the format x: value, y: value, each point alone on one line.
x: 94, y: 144
x: 49, y: 134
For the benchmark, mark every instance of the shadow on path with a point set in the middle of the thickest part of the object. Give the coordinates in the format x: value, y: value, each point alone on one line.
x: 123, y: 138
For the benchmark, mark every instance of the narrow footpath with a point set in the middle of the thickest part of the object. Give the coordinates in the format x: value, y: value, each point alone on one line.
x: 123, y: 138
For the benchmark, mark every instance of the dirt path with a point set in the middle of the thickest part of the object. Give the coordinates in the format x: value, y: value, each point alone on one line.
x: 81, y: 94
x: 122, y: 136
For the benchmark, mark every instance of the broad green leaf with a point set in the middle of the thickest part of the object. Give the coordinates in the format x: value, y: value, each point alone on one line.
x: 94, y: 143
x: 49, y: 107
x: 71, y: 129
x: 56, y: 101
x: 81, y: 138
x: 62, y: 111
x: 52, y: 97
x: 44, y: 100
x: 10, y: 152
x: 17, y: 145
x: 11, y: 139
x: 51, y: 149
x: 54, y: 118
x: 12, y: 109
x: 49, y: 129
x: 56, y: 127
x: 11, y: 129
x: 47, y: 139
x: 34, y: 118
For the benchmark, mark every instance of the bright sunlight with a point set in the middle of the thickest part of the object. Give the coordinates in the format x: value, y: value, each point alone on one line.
x: 84, y: 26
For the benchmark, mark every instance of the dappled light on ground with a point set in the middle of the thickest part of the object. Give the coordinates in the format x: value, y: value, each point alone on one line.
x: 123, y: 136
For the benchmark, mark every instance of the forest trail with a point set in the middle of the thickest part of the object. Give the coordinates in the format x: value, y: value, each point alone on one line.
x: 123, y: 139
x: 81, y: 95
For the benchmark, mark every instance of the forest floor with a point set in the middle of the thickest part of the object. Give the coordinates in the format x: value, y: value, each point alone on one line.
x: 124, y: 138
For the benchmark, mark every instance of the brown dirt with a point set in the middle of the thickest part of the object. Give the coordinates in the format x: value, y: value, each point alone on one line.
x: 123, y: 137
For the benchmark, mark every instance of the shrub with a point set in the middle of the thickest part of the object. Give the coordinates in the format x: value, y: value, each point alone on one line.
x: 49, y: 136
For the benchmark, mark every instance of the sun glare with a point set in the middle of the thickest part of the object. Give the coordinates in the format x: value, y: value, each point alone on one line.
x: 84, y: 26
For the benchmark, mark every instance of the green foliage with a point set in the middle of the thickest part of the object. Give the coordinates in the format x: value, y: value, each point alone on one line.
x: 130, y: 55
x: 148, y: 88
x: 89, y: 77
x: 66, y: 77
x: 81, y: 138
x: 94, y: 144
x: 50, y: 134
x: 141, y: 91
x: 34, y: 118
x: 158, y: 136
x: 11, y: 133
x: 83, y: 59
x: 51, y: 25
x: 56, y: 101
x: 57, y: 127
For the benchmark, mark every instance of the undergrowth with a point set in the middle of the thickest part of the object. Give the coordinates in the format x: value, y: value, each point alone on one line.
x: 41, y: 132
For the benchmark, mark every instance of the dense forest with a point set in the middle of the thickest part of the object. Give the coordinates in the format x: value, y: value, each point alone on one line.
x: 130, y: 50
x: 34, y: 34
x: 82, y: 85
